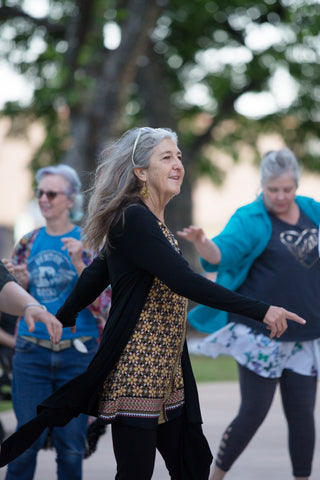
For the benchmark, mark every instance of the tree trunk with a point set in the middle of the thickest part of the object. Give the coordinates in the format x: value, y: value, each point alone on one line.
x: 155, y: 94
x: 93, y: 123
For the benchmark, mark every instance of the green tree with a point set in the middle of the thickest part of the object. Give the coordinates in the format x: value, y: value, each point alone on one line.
x: 190, y: 66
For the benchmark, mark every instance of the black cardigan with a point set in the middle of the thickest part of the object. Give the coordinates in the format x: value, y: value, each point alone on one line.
x: 139, y: 253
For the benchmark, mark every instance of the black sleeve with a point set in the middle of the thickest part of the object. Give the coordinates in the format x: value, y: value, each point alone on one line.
x: 5, y: 276
x: 91, y: 283
x: 145, y: 245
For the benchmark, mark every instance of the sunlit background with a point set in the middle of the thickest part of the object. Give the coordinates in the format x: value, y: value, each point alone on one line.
x: 212, y: 203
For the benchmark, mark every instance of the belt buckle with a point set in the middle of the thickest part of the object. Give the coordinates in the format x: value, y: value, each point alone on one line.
x: 55, y: 348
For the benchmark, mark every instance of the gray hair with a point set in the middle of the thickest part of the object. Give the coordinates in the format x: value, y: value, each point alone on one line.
x: 277, y: 162
x: 116, y: 185
x: 74, y: 186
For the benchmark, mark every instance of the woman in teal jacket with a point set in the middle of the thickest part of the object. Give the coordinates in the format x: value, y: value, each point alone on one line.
x: 268, y: 249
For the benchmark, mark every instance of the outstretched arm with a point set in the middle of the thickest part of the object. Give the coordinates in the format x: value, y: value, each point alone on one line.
x: 153, y: 253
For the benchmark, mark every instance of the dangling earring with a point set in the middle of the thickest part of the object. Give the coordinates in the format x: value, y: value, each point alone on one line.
x: 144, y: 191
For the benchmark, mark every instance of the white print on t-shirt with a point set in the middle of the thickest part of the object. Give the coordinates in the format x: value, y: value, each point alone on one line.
x: 303, y: 245
x: 50, y: 274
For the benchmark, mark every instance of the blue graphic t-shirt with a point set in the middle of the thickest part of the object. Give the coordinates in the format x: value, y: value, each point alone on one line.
x: 51, y: 279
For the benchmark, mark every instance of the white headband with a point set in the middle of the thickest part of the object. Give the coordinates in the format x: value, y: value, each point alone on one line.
x: 135, y: 146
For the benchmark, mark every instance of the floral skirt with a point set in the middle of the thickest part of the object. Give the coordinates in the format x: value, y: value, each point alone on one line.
x: 261, y: 354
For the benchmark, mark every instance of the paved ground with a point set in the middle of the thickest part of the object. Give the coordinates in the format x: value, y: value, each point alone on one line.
x: 265, y: 458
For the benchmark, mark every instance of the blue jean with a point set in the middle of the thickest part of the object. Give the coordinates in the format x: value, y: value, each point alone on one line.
x: 37, y: 373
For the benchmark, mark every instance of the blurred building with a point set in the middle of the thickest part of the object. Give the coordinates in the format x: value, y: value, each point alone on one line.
x: 16, y: 212
x: 213, y: 204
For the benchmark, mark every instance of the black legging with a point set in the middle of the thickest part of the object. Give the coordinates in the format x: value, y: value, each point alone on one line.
x: 135, y: 450
x: 298, y: 393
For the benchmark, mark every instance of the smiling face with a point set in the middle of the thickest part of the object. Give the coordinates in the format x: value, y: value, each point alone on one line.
x: 58, y: 207
x: 164, y: 176
x: 279, y: 194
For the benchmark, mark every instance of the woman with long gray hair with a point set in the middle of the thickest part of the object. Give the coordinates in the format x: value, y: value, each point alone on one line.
x: 268, y: 250
x: 141, y: 380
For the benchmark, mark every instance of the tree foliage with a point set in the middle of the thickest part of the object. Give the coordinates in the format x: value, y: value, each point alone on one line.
x: 192, y: 66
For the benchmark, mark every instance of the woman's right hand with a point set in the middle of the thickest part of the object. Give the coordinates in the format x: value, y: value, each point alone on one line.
x: 8, y: 264
x: 193, y: 234
x: 276, y: 320
x: 206, y: 248
x: 35, y: 314
x: 20, y: 272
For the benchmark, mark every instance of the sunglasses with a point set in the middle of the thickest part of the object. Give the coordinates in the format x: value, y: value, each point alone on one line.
x: 49, y: 194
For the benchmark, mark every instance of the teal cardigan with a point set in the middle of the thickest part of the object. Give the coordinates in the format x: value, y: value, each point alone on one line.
x: 244, y: 238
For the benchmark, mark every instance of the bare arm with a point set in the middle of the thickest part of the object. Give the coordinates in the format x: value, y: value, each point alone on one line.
x: 14, y: 300
x: 206, y: 248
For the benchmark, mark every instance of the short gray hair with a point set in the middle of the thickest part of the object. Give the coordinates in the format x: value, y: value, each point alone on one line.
x: 74, y: 187
x: 277, y: 162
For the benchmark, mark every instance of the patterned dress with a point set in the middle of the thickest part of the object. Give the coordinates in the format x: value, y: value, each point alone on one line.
x: 147, y: 383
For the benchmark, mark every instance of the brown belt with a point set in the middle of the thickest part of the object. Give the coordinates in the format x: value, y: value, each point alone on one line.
x: 55, y: 348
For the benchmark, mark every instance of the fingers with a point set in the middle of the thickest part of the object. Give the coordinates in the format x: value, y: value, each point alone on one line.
x: 295, y: 317
x: 191, y: 233
x: 277, y: 329
x: 21, y: 274
x: 30, y: 322
x: 15, y: 269
x: 184, y: 232
x: 8, y: 264
x: 276, y: 319
x: 55, y: 331
x: 19, y: 269
x: 54, y: 327
x: 73, y: 246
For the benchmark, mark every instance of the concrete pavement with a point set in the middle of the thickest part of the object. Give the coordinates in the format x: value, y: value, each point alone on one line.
x: 266, y: 456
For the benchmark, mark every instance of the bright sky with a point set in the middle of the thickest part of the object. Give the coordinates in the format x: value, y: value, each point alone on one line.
x: 13, y: 86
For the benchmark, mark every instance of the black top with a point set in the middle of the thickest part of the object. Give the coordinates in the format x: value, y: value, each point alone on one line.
x: 139, y: 253
x: 287, y: 273
x: 8, y: 322
x: 5, y: 276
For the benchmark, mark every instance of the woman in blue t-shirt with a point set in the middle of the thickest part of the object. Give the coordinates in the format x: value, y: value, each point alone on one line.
x: 48, y: 262
x: 269, y: 251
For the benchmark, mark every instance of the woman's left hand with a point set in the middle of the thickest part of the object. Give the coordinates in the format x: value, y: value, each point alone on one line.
x: 276, y: 320
x: 75, y: 251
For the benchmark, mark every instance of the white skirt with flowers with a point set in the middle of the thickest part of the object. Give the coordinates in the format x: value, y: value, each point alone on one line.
x: 261, y: 354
